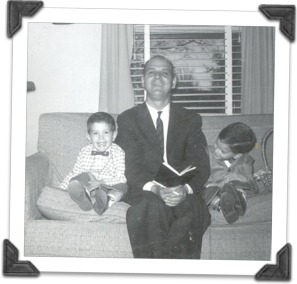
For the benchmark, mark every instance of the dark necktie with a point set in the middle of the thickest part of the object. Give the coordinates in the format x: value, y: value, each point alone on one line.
x: 94, y: 153
x: 159, y: 129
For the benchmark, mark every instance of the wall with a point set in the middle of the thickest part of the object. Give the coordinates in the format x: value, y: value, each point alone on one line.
x: 64, y: 64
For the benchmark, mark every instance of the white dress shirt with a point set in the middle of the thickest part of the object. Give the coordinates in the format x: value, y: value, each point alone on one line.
x: 165, y: 119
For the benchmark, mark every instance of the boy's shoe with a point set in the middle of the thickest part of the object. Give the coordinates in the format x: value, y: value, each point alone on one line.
x: 233, y: 202
x: 78, y: 193
x: 101, y: 204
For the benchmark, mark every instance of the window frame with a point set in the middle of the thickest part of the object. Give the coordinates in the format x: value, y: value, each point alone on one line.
x: 230, y: 102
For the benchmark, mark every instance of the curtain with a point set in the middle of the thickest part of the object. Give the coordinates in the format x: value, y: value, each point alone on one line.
x: 257, y: 70
x: 116, y: 91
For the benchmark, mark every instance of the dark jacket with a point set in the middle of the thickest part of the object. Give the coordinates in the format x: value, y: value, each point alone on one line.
x: 186, y: 145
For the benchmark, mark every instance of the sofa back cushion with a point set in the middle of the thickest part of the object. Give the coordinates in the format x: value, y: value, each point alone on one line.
x: 212, y: 125
x: 62, y: 135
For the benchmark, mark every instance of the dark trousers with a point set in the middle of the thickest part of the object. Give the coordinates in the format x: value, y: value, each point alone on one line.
x: 159, y: 231
x: 84, y: 178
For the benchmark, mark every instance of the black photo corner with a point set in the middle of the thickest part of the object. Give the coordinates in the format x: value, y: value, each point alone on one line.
x: 33, y: 273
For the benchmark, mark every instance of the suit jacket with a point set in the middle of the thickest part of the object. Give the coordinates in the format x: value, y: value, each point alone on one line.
x: 186, y: 145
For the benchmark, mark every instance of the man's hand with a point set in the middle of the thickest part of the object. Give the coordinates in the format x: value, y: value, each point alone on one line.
x: 162, y: 192
x: 172, y: 196
x: 177, y: 195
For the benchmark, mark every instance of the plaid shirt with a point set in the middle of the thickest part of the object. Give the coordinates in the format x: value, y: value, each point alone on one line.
x: 110, y: 168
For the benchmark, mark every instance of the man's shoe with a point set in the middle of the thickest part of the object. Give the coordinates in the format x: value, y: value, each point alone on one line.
x: 101, y: 204
x: 232, y: 203
x: 78, y: 193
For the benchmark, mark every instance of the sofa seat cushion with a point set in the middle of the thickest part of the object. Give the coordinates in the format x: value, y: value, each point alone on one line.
x: 249, y: 238
x: 47, y: 238
x: 56, y: 204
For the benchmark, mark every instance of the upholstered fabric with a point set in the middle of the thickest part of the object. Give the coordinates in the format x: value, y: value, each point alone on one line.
x: 56, y: 204
x: 91, y: 236
x: 38, y: 175
x: 77, y: 239
x: 241, y: 242
x: 248, y: 238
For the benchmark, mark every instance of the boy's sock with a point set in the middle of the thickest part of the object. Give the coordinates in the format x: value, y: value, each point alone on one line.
x: 78, y: 193
x: 233, y: 202
x: 243, y: 193
x: 215, y: 203
x: 107, y: 195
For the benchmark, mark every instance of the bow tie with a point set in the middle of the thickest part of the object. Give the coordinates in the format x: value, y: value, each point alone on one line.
x: 94, y: 153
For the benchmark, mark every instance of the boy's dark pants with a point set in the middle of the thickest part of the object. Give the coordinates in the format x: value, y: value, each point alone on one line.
x: 230, y: 199
x: 209, y: 193
x: 84, y: 179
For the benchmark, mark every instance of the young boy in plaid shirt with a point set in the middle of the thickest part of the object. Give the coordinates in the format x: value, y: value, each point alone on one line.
x: 97, y: 179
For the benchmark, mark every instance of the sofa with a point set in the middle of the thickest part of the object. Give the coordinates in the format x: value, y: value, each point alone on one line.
x: 55, y: 226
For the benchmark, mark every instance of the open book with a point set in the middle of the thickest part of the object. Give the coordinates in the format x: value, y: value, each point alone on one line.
x: 167, y: 176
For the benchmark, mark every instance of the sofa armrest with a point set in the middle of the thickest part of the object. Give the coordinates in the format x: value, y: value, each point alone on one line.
x: 38, y: 175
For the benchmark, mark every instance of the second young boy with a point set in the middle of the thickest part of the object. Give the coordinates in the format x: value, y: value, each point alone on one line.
x: 231, y: 178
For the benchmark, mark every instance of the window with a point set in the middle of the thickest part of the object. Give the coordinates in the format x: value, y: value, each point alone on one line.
x: 207, y: 64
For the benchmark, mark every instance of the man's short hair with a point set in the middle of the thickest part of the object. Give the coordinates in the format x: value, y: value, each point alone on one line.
x: 239, y: 137
x: 161, y: 57
x: 101, y: 117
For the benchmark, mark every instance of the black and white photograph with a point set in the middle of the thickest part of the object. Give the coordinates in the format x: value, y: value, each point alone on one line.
x: 151, y: 141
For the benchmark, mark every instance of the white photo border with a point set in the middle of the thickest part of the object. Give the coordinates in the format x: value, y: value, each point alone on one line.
x: 18, y: 135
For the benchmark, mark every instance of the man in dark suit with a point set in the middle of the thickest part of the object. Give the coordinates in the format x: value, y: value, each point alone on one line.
x: 163, y: 222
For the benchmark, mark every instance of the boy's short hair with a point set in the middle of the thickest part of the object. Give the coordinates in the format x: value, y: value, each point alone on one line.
x: 239, y: 137
x: 101, y: 117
